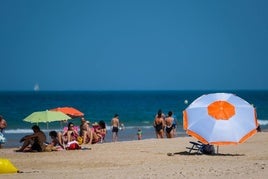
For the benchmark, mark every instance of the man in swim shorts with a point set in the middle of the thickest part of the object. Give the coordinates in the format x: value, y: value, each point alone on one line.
x: 115, y: 127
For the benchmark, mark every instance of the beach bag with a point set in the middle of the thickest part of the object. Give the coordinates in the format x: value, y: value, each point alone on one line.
x: 73, y: 145
x: 79, y: 140
x: 208, y: 149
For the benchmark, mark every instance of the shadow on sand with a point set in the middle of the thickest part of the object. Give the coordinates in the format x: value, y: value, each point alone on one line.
x: 217, y: 154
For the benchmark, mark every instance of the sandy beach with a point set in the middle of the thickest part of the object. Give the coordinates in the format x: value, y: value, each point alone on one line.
x: 145, y: 159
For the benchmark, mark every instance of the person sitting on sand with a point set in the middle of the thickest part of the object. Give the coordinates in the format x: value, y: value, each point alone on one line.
x: 92, y: 137
x: 89, y: 135
x: 34, y: 142
x: 100, y: 129
x: 85, y: 131
x: 54, y: 145
x: 69, y: 135
x: 84, y: 128
x: 159, y: 125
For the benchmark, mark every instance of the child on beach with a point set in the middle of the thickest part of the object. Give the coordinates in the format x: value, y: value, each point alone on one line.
x: 139, y: 134
x: 55, y: 144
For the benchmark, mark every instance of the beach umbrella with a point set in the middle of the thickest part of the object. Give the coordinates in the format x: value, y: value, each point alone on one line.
x: 46, y: 117
x: 70, y: 111
x: 220, y: 119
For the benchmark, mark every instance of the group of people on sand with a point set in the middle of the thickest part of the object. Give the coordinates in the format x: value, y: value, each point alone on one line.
x: 72, y: 137
x: 165, y: 125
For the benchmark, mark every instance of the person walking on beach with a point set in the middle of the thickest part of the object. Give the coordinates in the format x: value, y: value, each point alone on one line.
x: 159, y: 125
x: 3, y: 125
x: 115, y: 127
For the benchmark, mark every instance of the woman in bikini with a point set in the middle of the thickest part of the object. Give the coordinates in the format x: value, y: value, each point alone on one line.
x: 69, y: 135
x: 100, y: 129
x: 159, y: 125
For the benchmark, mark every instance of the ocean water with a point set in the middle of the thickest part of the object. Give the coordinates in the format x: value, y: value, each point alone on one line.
x: 136, y: 109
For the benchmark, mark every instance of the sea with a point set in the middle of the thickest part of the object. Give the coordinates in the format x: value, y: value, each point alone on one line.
x: 136, y: 109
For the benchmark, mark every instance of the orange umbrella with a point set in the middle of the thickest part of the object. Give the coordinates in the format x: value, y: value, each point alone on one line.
x: 72, y: 112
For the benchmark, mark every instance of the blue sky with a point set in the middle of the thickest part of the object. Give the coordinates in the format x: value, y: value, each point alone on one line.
x: 133, y: 45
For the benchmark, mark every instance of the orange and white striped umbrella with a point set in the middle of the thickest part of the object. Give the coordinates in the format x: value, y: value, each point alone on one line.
x: 220, y: 119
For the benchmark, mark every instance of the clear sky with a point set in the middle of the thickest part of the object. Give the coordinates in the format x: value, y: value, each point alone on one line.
x: 133, y: 45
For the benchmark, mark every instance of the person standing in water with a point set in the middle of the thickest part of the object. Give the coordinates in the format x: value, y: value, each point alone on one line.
x: 139, y: 134
x: 115, y: 127
x: 159, y: 125
x: 169, y: 120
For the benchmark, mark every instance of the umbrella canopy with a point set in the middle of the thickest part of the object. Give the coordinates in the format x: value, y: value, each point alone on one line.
x: 72, y: 112
x: 220, y: 119
x: 46, y: 116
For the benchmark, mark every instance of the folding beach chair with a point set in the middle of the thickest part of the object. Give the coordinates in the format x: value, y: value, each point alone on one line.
x: 196, y: 146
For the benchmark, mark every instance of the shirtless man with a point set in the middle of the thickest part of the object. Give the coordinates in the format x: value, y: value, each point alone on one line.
x: 37, y: 141
x: 115, y: 127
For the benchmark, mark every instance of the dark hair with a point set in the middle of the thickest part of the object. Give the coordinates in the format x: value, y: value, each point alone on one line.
x: 35, y: 127
x: 159, y: 113
x: 170, y: 113
x: 70, y: 123
x: 116, y: 115
x: 53, y: 133
x: 102, y: 124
